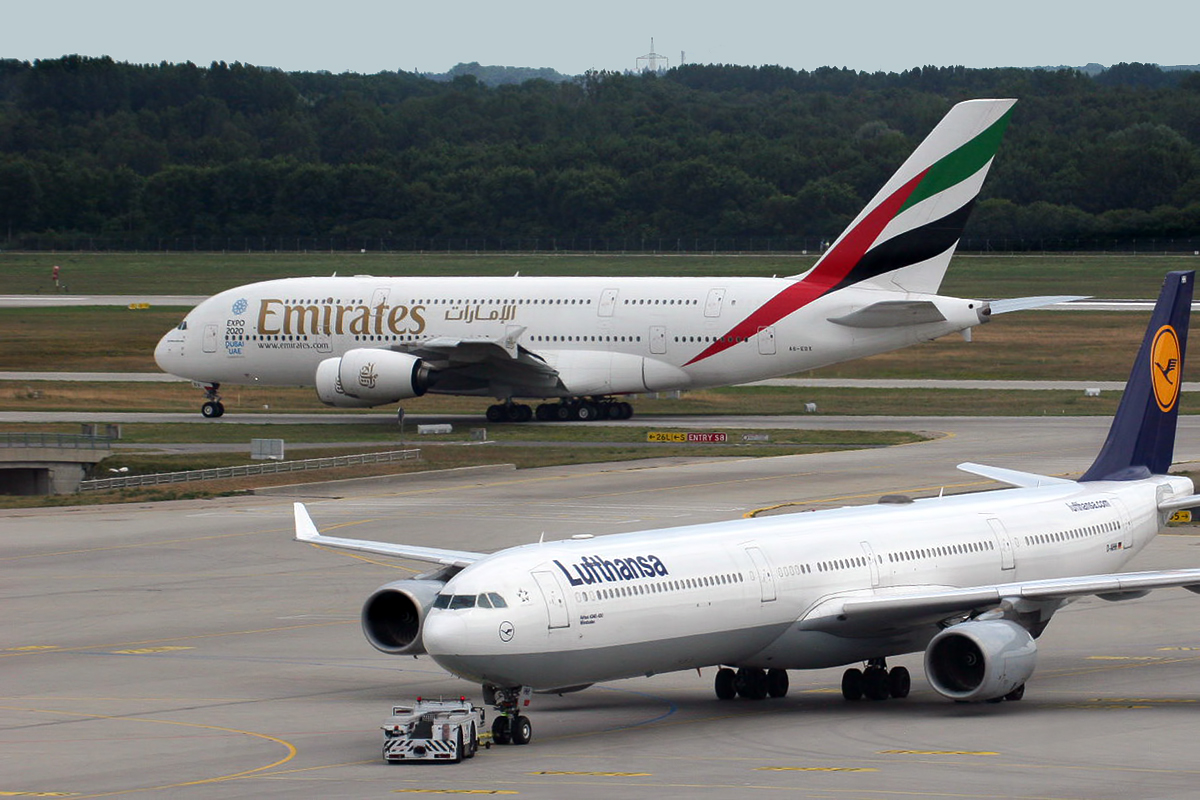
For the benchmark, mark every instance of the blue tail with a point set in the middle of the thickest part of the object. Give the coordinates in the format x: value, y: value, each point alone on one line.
x: 1141, y: 441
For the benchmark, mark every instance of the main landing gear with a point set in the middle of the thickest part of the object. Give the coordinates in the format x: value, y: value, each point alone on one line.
x: 578, y: 409
x: 750, y: 683
x: 213, y: 407
x: 876, y: 682
x: 510, y: 726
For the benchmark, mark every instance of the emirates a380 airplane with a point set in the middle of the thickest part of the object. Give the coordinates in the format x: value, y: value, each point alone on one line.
x: 367, y: 341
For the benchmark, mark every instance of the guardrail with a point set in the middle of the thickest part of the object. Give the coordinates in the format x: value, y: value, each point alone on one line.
x: 64, y: 440
x: 265, y: 468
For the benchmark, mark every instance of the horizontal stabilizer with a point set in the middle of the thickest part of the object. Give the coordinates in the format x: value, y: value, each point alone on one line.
x: 1023, y: 480
x: 306, y: 531
x: 1026, y: 303
x: 891, y: 314
x: 1176, y: 503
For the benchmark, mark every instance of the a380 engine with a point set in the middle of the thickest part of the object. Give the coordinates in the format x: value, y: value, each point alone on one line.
x: 393, y: 614
x: 981, y: 660
x: 365, y: 377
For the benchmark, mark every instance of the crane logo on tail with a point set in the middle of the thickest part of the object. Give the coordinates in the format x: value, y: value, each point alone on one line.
x: 1165, y: 367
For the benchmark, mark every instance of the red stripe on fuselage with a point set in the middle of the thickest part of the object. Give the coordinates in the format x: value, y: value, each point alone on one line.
x: 831, y: 273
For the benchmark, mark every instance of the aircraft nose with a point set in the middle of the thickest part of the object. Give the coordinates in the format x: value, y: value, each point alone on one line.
x: 168, y: 351
x: 444, y: 633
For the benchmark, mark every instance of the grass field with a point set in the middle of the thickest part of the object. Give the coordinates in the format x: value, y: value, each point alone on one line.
x: 1111, y: 276
x: 523, y: 446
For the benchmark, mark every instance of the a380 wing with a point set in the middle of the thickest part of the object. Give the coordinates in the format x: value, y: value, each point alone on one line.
x: 306, y: 531
x: 883, y: 614
x: 472, y: 365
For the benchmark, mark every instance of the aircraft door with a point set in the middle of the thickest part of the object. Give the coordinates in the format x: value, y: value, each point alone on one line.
x: 712, y: 305
x: 766, y: 341
x: 658, y: 339
x: 872, y: 563
x: 556, y: 600
x: 1008, y: 558
x: 766, y: 579
x: 210, y: 338
x: 608, y: 302
x: 379, y: 297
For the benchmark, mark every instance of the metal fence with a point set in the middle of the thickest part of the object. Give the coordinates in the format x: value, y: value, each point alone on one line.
x: 64, y: 440
x: 266, y: 468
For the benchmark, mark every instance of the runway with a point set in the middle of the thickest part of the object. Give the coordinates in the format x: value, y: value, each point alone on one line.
x: 155, y: 647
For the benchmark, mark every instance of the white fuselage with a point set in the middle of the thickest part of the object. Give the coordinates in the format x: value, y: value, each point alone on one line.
x: 601, y: 335
x: 589, y: 610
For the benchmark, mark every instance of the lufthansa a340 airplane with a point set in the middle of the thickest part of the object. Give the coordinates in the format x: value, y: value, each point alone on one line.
x: 971, y: 580
x: 367, y: 341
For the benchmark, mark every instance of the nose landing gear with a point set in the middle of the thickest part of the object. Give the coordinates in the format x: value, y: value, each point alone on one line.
x: 213, y: 407
x: 510, y: 726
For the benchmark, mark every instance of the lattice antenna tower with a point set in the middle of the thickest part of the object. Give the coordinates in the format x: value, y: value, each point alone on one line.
x: 652, y: 61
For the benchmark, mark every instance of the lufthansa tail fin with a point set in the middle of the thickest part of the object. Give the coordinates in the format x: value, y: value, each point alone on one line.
x: 911, y: 228
x: 1141, y: 441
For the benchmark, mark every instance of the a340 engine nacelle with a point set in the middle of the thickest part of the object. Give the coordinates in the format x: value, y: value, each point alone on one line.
x: 365, y: 377
x: 982, y: 660
x: 393, y: 615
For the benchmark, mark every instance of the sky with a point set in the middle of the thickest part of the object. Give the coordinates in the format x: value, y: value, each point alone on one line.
x: 369, y: 36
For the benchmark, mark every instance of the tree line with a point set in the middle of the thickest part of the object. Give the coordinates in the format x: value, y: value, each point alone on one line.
x: 123, y: 152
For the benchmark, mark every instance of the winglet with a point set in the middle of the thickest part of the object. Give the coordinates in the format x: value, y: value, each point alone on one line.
x: 306, y: 531
x: 1141, y: 441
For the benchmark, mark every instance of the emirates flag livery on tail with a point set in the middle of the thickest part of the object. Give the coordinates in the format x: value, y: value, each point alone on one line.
x: 582, y: 342
x: 969, y: 580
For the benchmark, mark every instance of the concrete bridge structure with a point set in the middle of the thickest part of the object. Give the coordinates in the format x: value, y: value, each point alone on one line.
x: 48, y: 463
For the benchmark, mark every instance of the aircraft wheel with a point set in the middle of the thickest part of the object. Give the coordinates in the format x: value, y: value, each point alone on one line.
x: 501, y: 733
x: 626, y: 410
x: 612, y: 411
x: 522, y: 730
x: 852, y: 684
x: 522, y: 413
x: 777, y: 682
x: 472, y: 743
x: 545, y: 412
x: 752, y: 683
x: 875, y: 683
x: 586, y: 412
x: 212, y: 409
x: 899, y: 682
x: 496, y: 413
x: 562, y: 412
x: 725, y: 684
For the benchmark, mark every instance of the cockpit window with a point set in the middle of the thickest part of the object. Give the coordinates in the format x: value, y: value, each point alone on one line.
x: 183, y: 325
x: 456, y: 602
